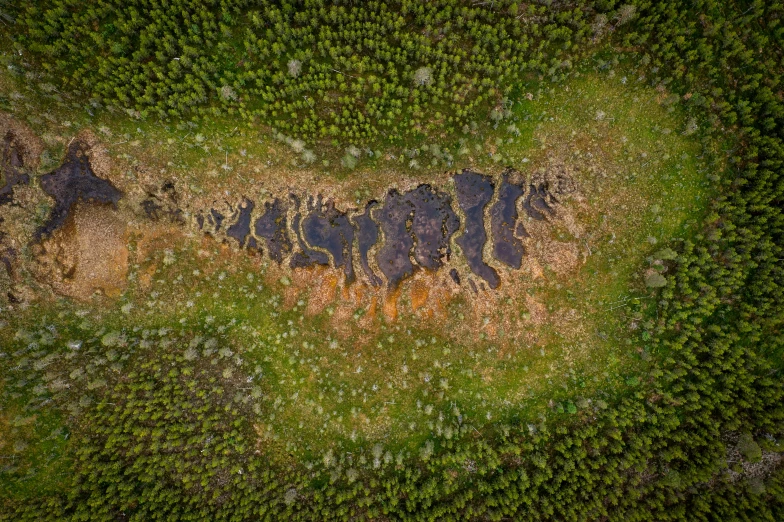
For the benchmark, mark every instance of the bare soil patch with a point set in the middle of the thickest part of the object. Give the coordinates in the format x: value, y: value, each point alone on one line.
x: 88, y: 254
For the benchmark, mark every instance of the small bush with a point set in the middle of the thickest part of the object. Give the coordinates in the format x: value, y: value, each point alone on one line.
x: 749, y: 449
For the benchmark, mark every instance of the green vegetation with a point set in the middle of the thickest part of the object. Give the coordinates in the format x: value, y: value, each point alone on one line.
x: 200, y: 399
x: 313, y: 385
x: 348, y: 72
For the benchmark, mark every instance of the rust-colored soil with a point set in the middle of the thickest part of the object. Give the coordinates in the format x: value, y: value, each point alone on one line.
x: 88, y: 255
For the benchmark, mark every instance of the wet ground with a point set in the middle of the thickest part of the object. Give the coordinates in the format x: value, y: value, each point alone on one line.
x: 305, y: 256
x: 507, y: 248
x: 406, y: 232
x: 394, y: 256
x: 11, y: 168
x: 367, y: 236
x: 240, y: 230
x: 272, y: 228
x: 72, y: 182
x: 432, y: 226
x: 535, y: 203
x: 474, y: 192
x: 329, y: 229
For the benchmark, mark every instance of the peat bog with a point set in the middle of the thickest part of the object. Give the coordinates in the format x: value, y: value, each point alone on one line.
x: 72, y: 182
x: 390, y: 261
x: 411, y: 230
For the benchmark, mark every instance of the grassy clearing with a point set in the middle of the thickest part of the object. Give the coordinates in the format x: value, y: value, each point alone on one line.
x: 555, y: 341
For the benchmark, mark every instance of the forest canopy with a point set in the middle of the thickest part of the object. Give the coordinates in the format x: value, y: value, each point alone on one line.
x: 356, y: 72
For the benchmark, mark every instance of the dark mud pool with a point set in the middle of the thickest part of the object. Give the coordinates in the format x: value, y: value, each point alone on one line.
x: 71, y: 182
x: 419, y: 229
x: 405, y: 232
x: 11, y: 168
